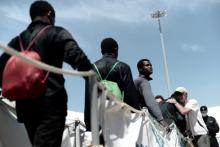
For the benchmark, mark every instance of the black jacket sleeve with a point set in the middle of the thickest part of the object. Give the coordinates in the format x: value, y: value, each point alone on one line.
x: 130, y: 92
x: 73, y: 54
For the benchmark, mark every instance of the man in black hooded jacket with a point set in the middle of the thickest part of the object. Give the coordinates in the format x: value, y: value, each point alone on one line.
x: 121, y: 75
x: 44, y: 117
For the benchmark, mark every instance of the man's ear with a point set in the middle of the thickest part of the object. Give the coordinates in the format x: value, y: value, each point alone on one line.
x: 51, y: 18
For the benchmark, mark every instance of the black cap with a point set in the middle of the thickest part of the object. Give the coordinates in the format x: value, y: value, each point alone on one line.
x: 109, y: 45
x: 203, y: 108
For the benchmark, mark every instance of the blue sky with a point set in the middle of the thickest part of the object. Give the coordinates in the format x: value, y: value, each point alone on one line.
x: 191, y: 34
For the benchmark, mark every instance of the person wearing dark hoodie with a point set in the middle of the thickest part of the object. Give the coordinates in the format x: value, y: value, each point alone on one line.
x: 121, y: 74
x: 44, y: 117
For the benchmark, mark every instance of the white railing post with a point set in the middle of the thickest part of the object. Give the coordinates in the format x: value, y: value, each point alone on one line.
x: 94, y: 110
x: 77, y: 133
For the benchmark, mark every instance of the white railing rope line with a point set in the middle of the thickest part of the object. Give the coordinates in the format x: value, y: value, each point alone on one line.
x: 53, y: 69
x: 44, y: 66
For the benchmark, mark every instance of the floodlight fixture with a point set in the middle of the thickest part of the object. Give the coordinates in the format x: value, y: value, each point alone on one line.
x: 157, y: 14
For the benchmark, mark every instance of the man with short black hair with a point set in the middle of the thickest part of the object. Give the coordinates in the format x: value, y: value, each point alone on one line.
x: 159, y: 99
x: 121, y: 75
x: 44, y: 117
x: 146, y: 97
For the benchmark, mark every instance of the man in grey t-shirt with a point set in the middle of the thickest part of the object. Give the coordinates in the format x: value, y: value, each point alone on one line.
x: 142, y: 84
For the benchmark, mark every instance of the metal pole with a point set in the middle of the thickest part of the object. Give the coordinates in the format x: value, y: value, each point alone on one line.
x: 164, y: 59
x: 94, y: 110
x: 157, y: 14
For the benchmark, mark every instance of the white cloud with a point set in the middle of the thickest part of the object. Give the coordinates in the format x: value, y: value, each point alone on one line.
x: 191, y: 4
x: 195, y: 48
x: 14, y: 11
x: 122, y: 10
x: 119, y: 10
x: 125, y: 10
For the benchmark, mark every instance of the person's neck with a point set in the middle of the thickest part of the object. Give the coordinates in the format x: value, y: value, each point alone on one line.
x: 146, y: 76
x: 110, y: 55
x: 41, y: 18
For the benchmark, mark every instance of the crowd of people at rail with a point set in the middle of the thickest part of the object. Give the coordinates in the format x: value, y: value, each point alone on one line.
x: 44, y: 118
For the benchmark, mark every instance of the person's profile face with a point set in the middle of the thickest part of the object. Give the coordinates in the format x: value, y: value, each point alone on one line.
x: 147, y: 68
x: 185, y: 95
x: 158, y: 100
x: 183, y: 98
x: 204, y: 113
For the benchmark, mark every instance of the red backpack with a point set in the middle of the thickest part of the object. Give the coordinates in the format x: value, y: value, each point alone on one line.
x: 22, y: 80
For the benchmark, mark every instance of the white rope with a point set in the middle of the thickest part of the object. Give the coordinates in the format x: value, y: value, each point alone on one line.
x: 44, y: 66
x: 53, y: 69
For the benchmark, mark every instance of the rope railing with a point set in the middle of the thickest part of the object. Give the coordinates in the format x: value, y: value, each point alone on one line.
x: 94, y: 87
x: 105, y: 95
x: 44, y: 66
x: 56, y: 70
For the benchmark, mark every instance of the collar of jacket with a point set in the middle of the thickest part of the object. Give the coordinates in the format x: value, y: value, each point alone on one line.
x: 33, y: 23
x: 146, y: 77
x: 111, y: 55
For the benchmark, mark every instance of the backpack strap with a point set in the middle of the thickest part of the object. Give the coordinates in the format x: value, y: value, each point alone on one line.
x: 111, y: 69
x: 108, y: 72
x: 34, y: 39
x: 98, y: 71
x: 32, y: 42
x: 202, y: 126
x: 20, y: 43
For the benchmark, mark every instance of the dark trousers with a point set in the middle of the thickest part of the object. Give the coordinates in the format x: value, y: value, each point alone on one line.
x: 213, y: 141
x: 201, y: 141
x: 46, y: 132
x: 44, y: 119
x: 195, y: 140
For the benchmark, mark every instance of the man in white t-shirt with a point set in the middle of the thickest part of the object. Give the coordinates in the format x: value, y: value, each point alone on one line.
x: 194, y: 119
